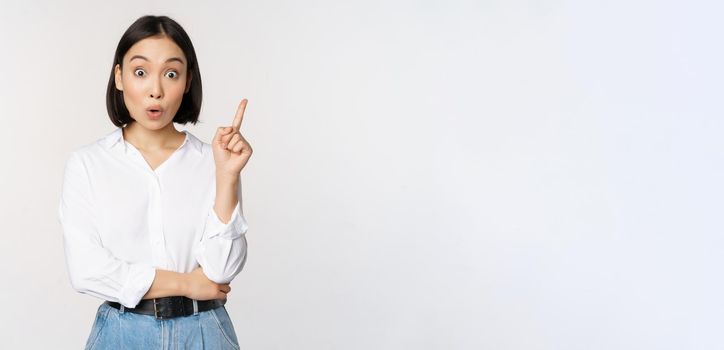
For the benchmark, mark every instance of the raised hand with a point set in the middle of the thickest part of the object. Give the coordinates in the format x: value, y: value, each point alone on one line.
x: 231, y: 151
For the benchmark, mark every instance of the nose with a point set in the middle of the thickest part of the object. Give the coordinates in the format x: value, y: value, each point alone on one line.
x: 156, y: 89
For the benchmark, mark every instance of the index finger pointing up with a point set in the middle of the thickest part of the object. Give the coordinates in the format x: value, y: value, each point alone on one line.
x: 236, y: 124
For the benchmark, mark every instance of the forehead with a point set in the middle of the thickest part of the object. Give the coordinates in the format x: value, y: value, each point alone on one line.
x: 157, y: 49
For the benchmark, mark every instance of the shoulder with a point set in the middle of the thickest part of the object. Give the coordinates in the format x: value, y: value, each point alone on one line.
x: 202, y: 147
x: 82, y: 154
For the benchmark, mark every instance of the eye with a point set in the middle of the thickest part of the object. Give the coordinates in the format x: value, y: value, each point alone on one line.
x: 139, y: 72
x: 172, y: 74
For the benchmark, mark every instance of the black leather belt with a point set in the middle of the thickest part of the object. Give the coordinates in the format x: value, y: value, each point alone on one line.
x: 170, y: 307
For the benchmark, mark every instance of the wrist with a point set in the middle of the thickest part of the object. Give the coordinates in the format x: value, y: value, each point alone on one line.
x: 224, y: 178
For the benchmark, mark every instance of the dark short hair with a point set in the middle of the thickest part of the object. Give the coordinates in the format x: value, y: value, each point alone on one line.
x: 144, y: 27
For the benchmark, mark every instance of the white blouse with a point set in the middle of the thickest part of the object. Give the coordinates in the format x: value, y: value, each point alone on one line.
x: 121, y: 219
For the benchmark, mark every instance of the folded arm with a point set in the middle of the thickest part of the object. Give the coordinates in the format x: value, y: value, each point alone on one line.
x: 92, y: 268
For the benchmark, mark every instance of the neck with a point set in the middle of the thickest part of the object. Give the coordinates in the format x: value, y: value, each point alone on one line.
x: 149, y: 140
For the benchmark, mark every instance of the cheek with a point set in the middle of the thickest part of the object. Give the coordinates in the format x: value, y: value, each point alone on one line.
x: 176, y: 90
x: 133, y: 89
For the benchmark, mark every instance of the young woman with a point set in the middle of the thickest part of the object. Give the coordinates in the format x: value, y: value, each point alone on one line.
x: 152, y: 218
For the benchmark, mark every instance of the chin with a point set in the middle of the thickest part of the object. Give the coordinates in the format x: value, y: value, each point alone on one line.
x: 152, y: 124
x: 157, y: 125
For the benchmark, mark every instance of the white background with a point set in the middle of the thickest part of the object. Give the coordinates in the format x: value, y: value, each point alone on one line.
x: 426, y: 175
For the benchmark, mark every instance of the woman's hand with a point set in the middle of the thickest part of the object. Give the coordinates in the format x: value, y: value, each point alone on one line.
x: 198, y: 286
x: 231, y: 151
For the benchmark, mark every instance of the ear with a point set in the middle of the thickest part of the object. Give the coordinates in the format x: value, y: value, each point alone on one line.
x: 119, y: 81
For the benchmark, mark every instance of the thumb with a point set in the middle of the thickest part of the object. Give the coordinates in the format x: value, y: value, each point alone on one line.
x: 221, y: 131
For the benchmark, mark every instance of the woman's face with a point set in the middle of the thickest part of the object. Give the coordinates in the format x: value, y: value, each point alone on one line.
x: 154, y: 79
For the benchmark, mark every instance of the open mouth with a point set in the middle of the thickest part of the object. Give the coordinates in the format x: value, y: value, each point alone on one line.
x: 154, y: 112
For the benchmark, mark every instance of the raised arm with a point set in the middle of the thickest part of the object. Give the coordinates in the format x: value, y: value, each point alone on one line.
x: 222, y: 248
x: 221, y: 252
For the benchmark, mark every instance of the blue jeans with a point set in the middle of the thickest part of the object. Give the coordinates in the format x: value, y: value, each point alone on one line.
x: 116, y: 329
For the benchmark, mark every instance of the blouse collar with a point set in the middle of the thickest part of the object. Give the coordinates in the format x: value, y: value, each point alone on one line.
x: 114, y: 138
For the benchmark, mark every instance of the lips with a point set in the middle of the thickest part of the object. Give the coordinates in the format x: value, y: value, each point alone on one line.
x: 154, y: 112
x: 154, y: 108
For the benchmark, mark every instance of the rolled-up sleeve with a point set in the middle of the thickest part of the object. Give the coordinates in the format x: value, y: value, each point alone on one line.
x: 93, y: 269
x: 221, y: 251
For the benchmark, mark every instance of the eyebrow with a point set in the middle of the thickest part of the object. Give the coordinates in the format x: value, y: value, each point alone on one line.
x: 178, y: 59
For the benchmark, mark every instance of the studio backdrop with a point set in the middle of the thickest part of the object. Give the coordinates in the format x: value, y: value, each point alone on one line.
x: 426, y: 174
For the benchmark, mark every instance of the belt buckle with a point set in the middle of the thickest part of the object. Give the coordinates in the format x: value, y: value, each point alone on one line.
x: 155, y: 310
